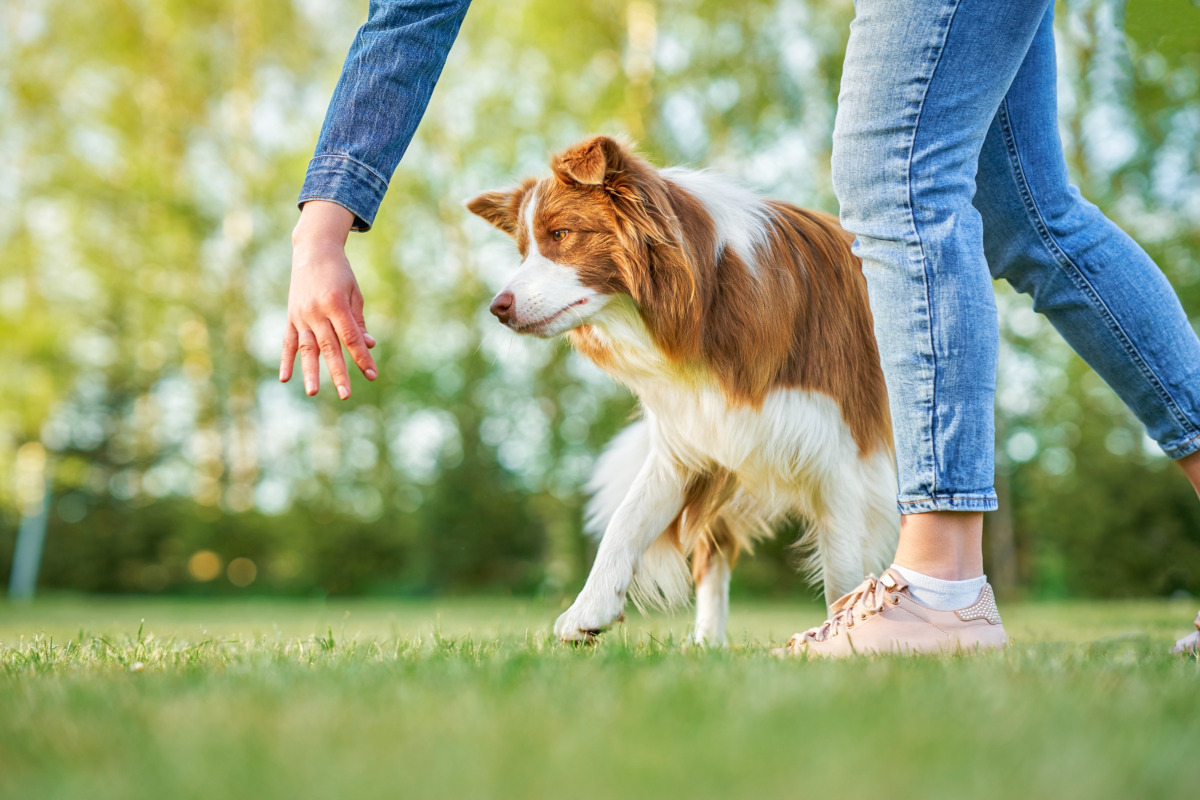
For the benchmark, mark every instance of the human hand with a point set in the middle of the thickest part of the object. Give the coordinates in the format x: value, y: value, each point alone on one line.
x: 325, y: 306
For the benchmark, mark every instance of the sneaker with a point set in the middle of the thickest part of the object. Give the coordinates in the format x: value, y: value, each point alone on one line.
x: 1191, y: 642
x: 880, y: 616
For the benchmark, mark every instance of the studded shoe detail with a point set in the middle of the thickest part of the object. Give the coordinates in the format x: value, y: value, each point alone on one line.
x: 984, y: 608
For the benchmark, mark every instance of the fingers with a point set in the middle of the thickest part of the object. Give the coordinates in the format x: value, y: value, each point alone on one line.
x: 318, y: 327
x: 354, y: 337
x: 287, y: 361
x: 356, y: 310
x: 312, y: 348
x: 310, y: 361
x: 331, y: 351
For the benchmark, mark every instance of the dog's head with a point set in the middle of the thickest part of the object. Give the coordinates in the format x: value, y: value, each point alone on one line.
x: 586, y: 235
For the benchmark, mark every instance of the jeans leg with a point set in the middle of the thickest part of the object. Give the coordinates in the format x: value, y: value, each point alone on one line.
x: 921, y: 85
x: 1095, y: 284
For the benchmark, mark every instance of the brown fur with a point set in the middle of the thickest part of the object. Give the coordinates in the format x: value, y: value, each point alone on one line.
x: 698, y: 528
x: 718, y: 540
x: 800, y: 321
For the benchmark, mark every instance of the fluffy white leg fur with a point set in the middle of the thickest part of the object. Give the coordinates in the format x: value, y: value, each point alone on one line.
x: 712, y: 602
x: 654, y: 499
x: 857, y: 531
x: 662, y: 579
x: 614, y: 474
x: 839, y: 537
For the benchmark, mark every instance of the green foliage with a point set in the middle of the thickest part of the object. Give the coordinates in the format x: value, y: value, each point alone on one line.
x: 472, y: 700
x: 1166, y: 27
x: 151, y: 157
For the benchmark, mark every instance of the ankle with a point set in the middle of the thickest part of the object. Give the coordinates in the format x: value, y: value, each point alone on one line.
x: 939, y: 593
x: 941, y: 569
x: 947, y: 545
x: 1190, y: 464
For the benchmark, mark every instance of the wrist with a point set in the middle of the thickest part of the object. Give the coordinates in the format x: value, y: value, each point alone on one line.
x: 323, y: 222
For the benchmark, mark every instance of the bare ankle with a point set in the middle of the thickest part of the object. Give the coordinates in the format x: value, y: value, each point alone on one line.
x: 1190, y: 464
x: 942, y: 544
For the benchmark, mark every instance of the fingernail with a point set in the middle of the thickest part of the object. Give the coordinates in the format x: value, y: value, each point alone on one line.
x: 310, y: 387
x: 343, y: 392
x: 281, y: 376
x: 371, y: 375
x: 369, y: 337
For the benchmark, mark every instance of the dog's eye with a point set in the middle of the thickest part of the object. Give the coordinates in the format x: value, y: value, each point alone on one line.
x: 559, y: 234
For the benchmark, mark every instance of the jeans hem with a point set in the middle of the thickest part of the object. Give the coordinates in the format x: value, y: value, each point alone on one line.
x: 919, y: 504
x: 1182, y: 447
x: 347, y: 182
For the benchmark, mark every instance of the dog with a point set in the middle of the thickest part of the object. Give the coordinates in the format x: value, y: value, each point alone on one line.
x: 742, y: 326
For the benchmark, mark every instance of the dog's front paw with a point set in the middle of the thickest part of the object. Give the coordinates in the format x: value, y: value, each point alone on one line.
x: 587, y: 617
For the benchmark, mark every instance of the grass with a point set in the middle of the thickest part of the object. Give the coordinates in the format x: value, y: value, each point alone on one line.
x: 471, y: 699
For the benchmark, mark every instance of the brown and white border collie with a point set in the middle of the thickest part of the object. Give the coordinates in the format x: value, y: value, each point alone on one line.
x: 742, y: 326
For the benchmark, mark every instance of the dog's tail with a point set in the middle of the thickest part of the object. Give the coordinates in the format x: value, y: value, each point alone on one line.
x: 662, y: 579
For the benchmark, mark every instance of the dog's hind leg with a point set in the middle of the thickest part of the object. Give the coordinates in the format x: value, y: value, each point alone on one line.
x: 712, y: 566
x: 653, y: 501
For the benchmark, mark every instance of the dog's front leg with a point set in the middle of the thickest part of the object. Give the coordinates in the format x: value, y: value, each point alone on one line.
x: 654, y: 499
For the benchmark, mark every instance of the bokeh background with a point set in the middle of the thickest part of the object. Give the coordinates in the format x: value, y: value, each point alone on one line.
x: 150, y: 156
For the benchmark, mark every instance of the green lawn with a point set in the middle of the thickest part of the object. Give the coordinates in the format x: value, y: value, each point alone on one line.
x: 470, y: 699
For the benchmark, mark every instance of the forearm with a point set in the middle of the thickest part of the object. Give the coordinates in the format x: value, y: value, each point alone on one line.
x: 382, y: 93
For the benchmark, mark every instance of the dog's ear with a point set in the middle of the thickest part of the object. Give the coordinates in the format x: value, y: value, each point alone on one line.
x: 593, y: 162
x: 500, y: 208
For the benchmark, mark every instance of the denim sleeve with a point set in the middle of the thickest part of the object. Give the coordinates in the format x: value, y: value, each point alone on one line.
x: 385, y: 85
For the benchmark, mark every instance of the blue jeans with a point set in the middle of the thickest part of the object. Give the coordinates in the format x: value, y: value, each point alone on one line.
x: 949, y: 171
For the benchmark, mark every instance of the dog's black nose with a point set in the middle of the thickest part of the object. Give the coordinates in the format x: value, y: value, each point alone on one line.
x: 502, y: 306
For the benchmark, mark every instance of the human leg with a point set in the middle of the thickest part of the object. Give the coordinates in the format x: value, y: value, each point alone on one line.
x: 921, y: 85
x: 1190, y: 464
x: 947, y: 545
x: 913, y: 113
x: 1098, y: 288
x: 1191, y: 467
x: 1092, y: 281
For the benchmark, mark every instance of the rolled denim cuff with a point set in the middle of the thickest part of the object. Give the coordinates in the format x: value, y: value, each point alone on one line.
x: 349, y: 183
x: 1182, y: 447
x: 912, y: 504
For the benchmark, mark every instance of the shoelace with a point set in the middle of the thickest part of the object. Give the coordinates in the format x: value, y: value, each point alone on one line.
x: 869, y: 598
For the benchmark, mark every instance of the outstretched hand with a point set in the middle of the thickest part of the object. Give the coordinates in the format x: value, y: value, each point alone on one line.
x: 325, y: 306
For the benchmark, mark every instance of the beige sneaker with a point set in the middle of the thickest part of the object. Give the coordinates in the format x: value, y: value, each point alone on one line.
x: 880, y: 616
x: 1191, y: 642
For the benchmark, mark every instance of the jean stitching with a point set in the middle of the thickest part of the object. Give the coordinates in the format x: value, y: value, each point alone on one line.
x: 1077, y: 277
x: 969, y: 502
x: 939, y: 48
x: 1184, y: 445
x: 356, y: 162
x: 952, y: 498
